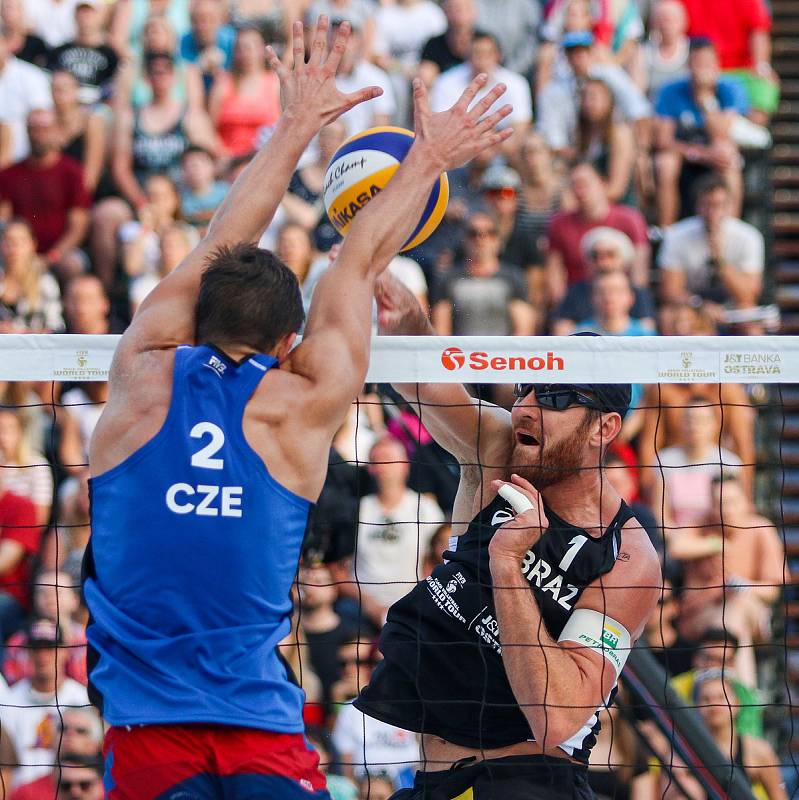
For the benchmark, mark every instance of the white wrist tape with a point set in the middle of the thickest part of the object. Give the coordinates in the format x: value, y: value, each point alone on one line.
x: 519, y: 501
x: 599, y: 632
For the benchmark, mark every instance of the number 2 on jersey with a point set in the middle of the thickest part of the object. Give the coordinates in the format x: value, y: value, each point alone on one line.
x: 203, y: 457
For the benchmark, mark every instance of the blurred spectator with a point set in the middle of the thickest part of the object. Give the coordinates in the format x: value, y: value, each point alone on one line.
x: 175, y: 242
x: 26, y: 473
x: 83, y: 132
x: 483, y: 296
x: 501, y: 186
x: 401, y: 31
x: 514, y: 25
x: 712, y: 255
x: 47, y: 190
x: 693, y: 132
x: 30, y: 299
x: 19, y: 40
x: 133, y: 89
x: 451, y: 48
x: 755, y: 757
x: 141, y: 249
x: 88, y: 56
x: 719, y: 649
x: 612, y: 300
x: 23, y: 88
x: 684, y: 472
x: 201, y: 194
x: 734, y: 567
x: 272, y: 18
x: 19, y: 543
x: 53, y: 20
x: 72, y: 523
x: 295, y: 249
x: 209, y: 42
x: 359, y: 13
x: 32, y: 715
x: 339, y: 787
x: 485, y: 56
x: 246, y: 100
x: 152, y: 139
x: 436, y: 548
x: 376, y: 787
x: 395, y: 526
x: 740, y: 30
x: 605, y: 251
x: 562, y: 16
x: 303, y: 202
x: 86, y: 306
x: 354, y: 73
x: 130, y: 18
x: 324, y: 629
x: 81, y: 407
x: 75, y: 777
x: 55, y: 597
x: 557, y: 102
x: 604, y: 141
x: 565, y: 265
x: 665, y: 406
x: 367, y: 746
x: 664, y: 56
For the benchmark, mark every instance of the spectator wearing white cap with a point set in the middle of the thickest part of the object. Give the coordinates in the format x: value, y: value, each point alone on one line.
x: 605, y: 251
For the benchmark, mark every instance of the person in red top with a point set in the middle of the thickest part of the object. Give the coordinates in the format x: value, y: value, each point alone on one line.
x: 48, y: 192
x: 19, y: 543
x: 740, y: 29
x: 564, y: 264
x: 247, y: 99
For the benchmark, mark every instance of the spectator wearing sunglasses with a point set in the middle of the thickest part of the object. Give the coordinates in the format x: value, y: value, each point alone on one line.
x: 80, y: 778
x: 501, y: 187
x: 482, y: 296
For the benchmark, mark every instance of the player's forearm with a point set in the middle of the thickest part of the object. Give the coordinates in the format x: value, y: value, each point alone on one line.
x: 545, y: 677
x: 254, y: 197
x: 383, y: 226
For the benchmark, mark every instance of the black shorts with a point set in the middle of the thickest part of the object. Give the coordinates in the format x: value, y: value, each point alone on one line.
x: 511, y: 778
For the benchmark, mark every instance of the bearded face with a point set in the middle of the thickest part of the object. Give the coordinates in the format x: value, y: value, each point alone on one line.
x: 545, y: 459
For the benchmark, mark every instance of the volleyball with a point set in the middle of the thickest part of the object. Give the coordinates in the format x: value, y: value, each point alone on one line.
x: 362, y: 167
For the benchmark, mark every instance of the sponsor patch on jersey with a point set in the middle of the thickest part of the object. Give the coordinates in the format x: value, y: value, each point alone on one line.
x: 502, y: 516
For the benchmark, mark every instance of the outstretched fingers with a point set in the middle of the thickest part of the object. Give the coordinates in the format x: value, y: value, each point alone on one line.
x: 319, y: 42
x: 487, y: 102
x: 275, y: 64
x: 339, y: 46
x: 492, y: 120
x: 470, y: 92
x: 297, y: 45
x: 361, y: 96
x: 421, y: 102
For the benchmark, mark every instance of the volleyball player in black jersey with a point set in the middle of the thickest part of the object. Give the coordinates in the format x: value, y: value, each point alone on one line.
x: 503, y: 656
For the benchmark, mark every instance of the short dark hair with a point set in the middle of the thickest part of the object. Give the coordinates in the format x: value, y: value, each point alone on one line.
x: 483, y: 34
x: 94, y: 762
x: 248, y: 296
x: 720, y: 635
x: 701, y: 43
x: 711, y: 182
x: 195, y: 148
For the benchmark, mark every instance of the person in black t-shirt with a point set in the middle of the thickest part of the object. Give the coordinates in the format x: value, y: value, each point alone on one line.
x: 503, y: 657
x: 453, y: 46
x: 88, y: 57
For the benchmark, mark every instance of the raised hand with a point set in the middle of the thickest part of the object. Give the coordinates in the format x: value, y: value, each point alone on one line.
x: 398, y: 310
x: 308, y: 89
x: 513, y: 539
x: 456, y: 136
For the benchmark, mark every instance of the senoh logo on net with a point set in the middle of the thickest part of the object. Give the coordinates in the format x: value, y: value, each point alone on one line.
x: 453, y: 358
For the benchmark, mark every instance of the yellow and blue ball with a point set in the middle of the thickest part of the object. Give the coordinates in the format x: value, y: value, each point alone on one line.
x: 362, y: 167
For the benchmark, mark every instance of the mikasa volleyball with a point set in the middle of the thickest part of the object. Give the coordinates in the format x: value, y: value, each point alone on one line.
x: 363, y: 166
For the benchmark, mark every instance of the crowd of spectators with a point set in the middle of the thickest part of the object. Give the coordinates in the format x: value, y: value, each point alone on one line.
x: 615, y: 208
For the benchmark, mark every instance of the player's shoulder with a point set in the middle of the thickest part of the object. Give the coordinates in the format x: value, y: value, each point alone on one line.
x: 637, y: 561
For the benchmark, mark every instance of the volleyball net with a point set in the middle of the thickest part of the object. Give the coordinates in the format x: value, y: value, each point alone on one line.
x: 708, y: 459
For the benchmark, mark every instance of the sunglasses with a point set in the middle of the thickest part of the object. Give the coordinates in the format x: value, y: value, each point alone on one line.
x: 76, y: 729
x: 505, y: 192
x: 84, y: 786
x: 556, y: 397
x: 481, y: 233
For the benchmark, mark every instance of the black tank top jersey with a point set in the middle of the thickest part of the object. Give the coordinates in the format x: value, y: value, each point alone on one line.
x: 442, y: 671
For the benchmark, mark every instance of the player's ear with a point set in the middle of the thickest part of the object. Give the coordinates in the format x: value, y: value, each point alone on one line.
x: 608, y: 428
x: 284, y: 346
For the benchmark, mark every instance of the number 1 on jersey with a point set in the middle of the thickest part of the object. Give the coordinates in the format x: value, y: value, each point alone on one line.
x: 576, y: 543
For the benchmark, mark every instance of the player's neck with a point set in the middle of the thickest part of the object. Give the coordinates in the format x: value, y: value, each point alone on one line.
x: 584, y: 500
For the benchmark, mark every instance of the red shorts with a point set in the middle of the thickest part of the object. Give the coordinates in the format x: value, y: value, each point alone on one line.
x: 157, y: 762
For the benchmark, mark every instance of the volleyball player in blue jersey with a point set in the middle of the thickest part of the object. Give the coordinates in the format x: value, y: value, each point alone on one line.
x: 212, y: 449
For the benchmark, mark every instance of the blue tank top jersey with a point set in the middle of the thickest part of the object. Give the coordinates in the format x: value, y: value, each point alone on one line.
x: 188, y: 573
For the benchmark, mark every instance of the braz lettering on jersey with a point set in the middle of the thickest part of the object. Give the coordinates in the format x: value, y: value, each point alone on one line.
x: 203, y: 499
x: 539, y: 570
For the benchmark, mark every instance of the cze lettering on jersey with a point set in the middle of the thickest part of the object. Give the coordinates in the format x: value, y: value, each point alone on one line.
x: 204, y: 501
x: 539, y: 570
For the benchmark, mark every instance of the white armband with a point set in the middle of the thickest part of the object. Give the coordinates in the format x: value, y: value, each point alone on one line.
x: 599, y: 632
